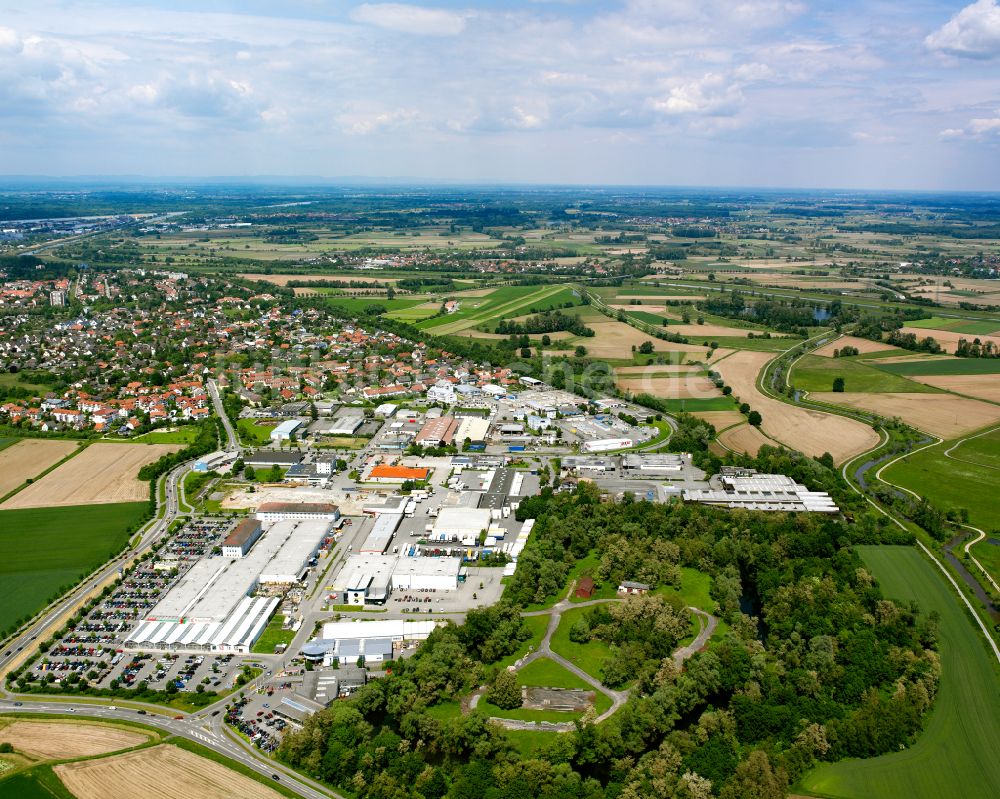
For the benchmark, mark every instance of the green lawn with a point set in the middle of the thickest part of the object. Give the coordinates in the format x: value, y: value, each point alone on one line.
x: 547, y: 673
x: 956, y: 754
x: 944, y: 366
x: 589, y: 656
x: 272, y: 636
x: 182, y: 435
x: 43, y: 549
x: 815, y: 373
x: 987, y: 554
x: 254, y: 434
x: 536, y: 625
x: 650, y: 318
x: 984, y: 449
x: 358, y: 305
x: 950, y: 483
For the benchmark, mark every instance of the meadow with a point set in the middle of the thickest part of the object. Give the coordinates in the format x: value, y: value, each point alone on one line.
x: 44, y: 549
x: 955, y: 755
x: 943, y: 366
x: 816, y: 373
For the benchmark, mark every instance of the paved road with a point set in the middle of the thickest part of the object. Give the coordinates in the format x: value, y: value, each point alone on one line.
x: 233, y: 441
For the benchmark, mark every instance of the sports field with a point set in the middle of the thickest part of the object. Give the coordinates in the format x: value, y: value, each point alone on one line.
x: 968, y: 479
x: 102, y: 473
x: 956, y: 754
x: 42, y: 549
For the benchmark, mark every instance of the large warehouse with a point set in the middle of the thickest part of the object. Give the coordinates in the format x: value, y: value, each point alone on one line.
x: 381, y: 534
x: 223, y: 604
x: 369, y: 579
x: 375, y: 641
x: 298, y: 511
x: 461, y: 524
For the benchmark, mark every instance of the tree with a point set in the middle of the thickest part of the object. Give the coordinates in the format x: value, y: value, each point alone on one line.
x: 580, y: 351
x: 754, y: 418
x: 756, y: 779
x: 250, y: 473
x: 505, y: 692
x: 838, y: 384
x: 646, y: 348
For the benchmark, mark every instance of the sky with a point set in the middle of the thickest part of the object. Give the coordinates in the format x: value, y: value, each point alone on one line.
x: 882, y: 94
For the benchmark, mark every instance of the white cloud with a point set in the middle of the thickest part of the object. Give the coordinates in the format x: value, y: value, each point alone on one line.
x: 405, y: 18
x: 974, y: 32
x: 711, y: 94
x: 983, y: 127
x: 10, y: 42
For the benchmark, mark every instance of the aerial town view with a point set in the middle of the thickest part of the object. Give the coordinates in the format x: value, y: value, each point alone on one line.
x: 591, y: 400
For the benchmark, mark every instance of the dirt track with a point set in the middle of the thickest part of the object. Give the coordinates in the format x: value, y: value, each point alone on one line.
x: 811, y: 432
x: 162, y: 772
x: 103, y: 473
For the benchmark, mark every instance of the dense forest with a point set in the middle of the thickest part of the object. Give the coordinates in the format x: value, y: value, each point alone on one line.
x: 814, y: 664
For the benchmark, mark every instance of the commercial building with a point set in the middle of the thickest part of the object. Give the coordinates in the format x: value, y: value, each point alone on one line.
x: 397, y: 474
x: 364, y: 580
x: 242, y: 538
x: 272, y: 457
x: 461, y: 524
x: 745, y: 488
x: 443, y: 392
x: 380, y: 537
x: 345, y: 423
x: 426, y: 574
x: 472, y: 428
x: 607, y: 444
x: 298, y: 511
x: 655, y: 464
x: 437, y: 432
x: 285, y: 430
x: 375, y: 641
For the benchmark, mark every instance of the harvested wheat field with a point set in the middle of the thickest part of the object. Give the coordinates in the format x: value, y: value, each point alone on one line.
x: 162, y: 772
x: 939, y: 414
x: 809, y: 431
x: 29, y: 458
x: 720, y: 419
x: 745, y: 438
x: 676, y: 387
x: 863, y: 345
x: 59, y: 740
x: 986, y: 387
x: 615, y: 340
x: 948, y: 339
x: 708, y: 331
x: 100, y: 474
x: 657, y: 369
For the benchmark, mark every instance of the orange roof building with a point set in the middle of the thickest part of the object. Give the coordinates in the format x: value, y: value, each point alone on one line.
x: 397, y: 474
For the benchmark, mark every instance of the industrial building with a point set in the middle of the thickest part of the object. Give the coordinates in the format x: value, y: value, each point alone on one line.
x: 242, y: 538
x: 426, y: 574
x: 272, y: 457
x: 375, y: 641
x: 381, y: 534
x: 298, y: 511
x: 368, y: 579
x: 663, y: 464
x: 461, y: 524
x: 472, y: 428
x: 437, y: 432
x: 397, y: 474
x: 745, y: 488
x: 607, y: 444
x: 223, y: 604
x: 285, y: 430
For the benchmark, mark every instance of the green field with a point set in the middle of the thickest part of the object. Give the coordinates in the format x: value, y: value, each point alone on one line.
x: 37, y: 783
x: 589, y: 656
x: 703, y: 404
x: 358, y: 305
x: 545, y: 673
x: 182, y: 435
x: 503, y: 303
x: 973, y: 328
x: 43, y: 549
x: 7, y: 442
x: 956, y: 754
x: 988, y: 555
x: 815, y: 373
x: 650, y: 318
x: 950, y: 483
x: 944, y: 366
x: 254, y: 434
x: 983, y: 449
x: 740, y: 343
x: 272, y: 636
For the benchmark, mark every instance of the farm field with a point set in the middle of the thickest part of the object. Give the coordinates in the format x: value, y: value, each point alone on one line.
x: 983, y: 449
x: 863, y: 346
x: 970, y: 327
x: 745, y: 438
x: 161, y: 772
x: 656, y: 370
x: 948, y: 339
x: 676, y: 387
x: 700, y: 405
x: 987, y: 552
x: 943, y: 366
x: 283, y: 280
x: 501, y: 303
x: 29, y: 457
x: 811, y: 432
x: 51, y: 740
x: 103, y: 473
x: 614, y: 339
x: 943, y: 415
x: 985, y: 387
x: 950, y: 483
x: 815, y: 373
x: 956, y: 754
x: 720, y: 419
x: 65, y: 544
